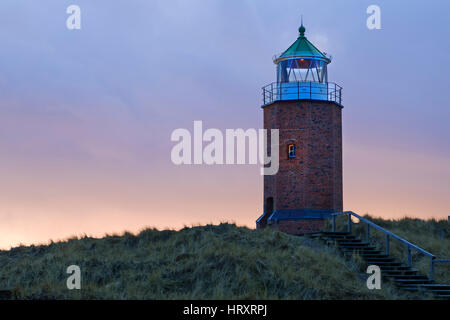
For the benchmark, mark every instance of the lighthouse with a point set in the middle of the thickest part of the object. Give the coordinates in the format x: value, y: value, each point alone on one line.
x: 307, y: 110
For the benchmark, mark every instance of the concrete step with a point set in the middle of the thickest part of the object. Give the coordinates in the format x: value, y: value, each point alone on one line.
x: 387, y: 263
x: 412, y: 281
x: 410, y: 288
x: 366, y: 249
x: 314, y: 235
x: 441, y: 292
x: 398, y: 272
x: 375, y: 260
x: 436, y: 286
x: 353, y: 244
x: 336, y: 233
x: 438, y: 294
x: 330, y: 238
x: 359, y: 245
x: 373, y: 255
x: 408, y: 277
x: 344, y: 234
x: 336, y: 238
x: 357, y: 251
x: 347, y: 240
x: 390, y: 268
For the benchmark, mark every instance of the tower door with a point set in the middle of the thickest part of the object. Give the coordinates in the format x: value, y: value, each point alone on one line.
x: 268, y: 210
x: 269, y: 207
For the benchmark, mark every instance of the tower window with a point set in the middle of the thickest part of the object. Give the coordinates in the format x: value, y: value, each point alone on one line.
x: 291, y: 151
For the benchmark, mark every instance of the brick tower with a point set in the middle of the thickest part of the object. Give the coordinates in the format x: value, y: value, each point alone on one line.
x: 306, y: 109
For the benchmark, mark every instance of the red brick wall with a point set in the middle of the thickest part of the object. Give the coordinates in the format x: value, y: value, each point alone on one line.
x: 313, y: 180
x: 300, y: 226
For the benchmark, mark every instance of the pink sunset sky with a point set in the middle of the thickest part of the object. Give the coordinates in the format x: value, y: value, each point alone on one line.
x: 86, y: 115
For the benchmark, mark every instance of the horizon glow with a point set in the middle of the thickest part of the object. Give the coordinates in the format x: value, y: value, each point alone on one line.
x: 86, y: 115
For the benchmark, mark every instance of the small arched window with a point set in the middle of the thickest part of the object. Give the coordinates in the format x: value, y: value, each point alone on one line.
x: 291, y: 151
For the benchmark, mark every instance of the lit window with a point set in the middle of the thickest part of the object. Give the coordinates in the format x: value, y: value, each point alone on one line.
x: 291, y: 151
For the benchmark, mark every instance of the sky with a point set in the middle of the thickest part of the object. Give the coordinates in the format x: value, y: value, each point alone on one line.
x: 86, y: 115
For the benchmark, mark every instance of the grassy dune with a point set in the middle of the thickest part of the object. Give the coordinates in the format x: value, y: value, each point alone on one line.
x: 208, y: 262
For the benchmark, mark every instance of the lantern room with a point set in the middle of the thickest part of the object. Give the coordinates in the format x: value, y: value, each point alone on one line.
x: 302, y: 74
x: 302, y: 61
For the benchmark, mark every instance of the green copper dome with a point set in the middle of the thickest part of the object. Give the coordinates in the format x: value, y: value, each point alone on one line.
x: 302, y: 48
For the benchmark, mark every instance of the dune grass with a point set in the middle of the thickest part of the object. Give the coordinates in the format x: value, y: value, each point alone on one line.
x: 206, y: 262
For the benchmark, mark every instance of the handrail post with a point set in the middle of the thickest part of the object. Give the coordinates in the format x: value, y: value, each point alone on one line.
x: 334, y: 93
x: 333, y: 223
x: 387, y: 244
x: 271, y: 92
x: 431, y: 268
x: 328, y: 98
x: 368, y: 232
x: 310, y: 88
x: 408, y: 255
x: 349, y: 223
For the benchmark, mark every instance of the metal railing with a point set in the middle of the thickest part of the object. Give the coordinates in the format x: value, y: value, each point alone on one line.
x: 388, y: 235
x: 324, y: 91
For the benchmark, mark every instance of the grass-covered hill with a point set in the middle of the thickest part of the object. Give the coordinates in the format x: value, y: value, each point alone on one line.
x: 206, y: 262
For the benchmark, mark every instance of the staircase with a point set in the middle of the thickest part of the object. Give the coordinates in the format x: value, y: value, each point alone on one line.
x: 405, y: 277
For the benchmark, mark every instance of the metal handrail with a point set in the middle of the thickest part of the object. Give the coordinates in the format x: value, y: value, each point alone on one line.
x: 389, y: 235
x: 273, y: 91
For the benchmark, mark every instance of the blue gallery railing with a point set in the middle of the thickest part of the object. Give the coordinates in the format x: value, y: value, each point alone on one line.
x: 302, y: 90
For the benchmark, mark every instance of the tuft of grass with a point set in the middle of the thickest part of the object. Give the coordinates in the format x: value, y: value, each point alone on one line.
x: 204, y: 262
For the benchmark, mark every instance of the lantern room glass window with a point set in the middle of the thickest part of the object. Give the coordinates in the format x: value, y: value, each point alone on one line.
x: 302, y: 69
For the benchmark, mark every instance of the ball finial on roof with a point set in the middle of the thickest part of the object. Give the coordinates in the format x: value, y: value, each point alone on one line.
x: 302, y: 30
